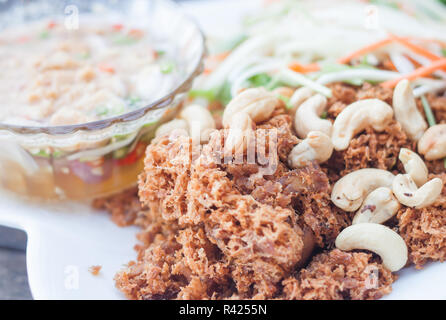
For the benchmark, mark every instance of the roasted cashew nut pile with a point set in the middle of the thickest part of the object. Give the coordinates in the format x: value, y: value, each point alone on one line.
x: 379, y: 193
x: 375, y: 195
x: 194, y: 120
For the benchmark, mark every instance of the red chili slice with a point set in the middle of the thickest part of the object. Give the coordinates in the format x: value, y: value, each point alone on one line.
x: 51, y: 24
x: 118, y: 27
x: 106, y: 68
x: 133, y: 156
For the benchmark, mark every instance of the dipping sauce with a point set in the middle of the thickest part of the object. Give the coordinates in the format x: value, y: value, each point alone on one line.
x: 53, y: 76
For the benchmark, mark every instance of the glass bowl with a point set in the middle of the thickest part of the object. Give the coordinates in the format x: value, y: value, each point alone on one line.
x: 95, y: 159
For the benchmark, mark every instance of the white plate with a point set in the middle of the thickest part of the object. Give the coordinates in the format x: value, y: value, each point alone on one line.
x: 65, y: 240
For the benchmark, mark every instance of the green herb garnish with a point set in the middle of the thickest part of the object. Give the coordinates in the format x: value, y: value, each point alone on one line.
x: 209, y: 95
x: 286, y: 100
x: 101, y: 111
x: 259, y: 80
x: 428, y: 111
x: 57, y: 154
x: 124, y: 40
x: 224, y: 94
x: 387, y: 3
x: 84, y: 55
x: 167, y: 67
x: 265, y: 80
x: 324, y: 115
x: 160, y: 53
x: 48, y: 154
x: 109, y: 111
x: 274, y: 83
x: 44, y: 34
x: 133, y: 101
x: 42, y: 153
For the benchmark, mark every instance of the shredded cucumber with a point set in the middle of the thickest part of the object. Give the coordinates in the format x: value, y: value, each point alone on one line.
x: 124, y: 40
x: 209, y: 95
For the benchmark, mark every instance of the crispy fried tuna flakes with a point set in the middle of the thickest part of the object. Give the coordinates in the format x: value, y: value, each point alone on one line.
x: 424, y: 230
x: 219, y: 227
x: 338, y: 275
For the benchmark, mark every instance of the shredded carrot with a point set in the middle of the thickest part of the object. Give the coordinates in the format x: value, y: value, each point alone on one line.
x: 370, y: 48
x: 51, y: 25
x: 420, y: 72
x: 219, y: 56
x: 427, y: 40
x: 414, y: 62
x: 388, y: 64
x: 106, y: 68
x: 367, y: 49
x: 417, y: 49
x: 137, y: 33
x: 213, y: 61
x: 297, y: 67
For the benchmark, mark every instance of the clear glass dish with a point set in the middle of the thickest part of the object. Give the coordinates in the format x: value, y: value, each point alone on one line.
x: 95, y: 159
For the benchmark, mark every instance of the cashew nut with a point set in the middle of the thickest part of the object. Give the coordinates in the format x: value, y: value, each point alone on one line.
x: 406, y: 111
x: 200, y: 122
x: 258, y: 103
x: 376, y: 238
x: 308, y: 119
x: 240, y: 130
x: 284, y: 91
x: 379, y: 206
x: 358, y: 116
x: 300, y: 95
x: 169, y: 127
x: 414, y: 166
x: 410, y: 195
x: 316, y: 147
x: 350, y: 191
x: 433, y: 143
